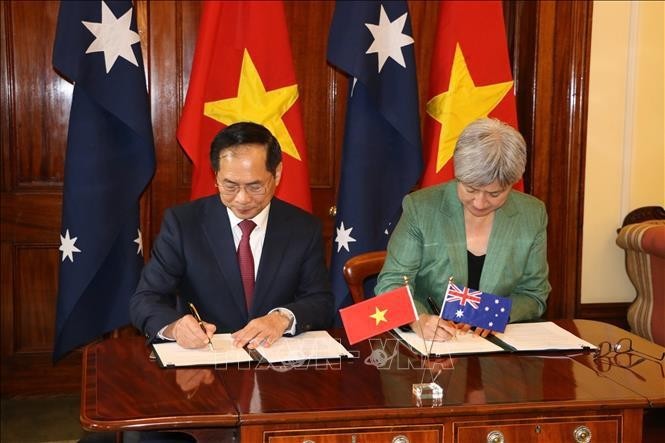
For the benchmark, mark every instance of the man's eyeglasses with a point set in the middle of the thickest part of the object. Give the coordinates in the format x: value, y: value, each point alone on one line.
x: 231, y: 189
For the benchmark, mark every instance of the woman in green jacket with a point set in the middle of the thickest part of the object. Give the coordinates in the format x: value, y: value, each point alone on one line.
x: 476, y: 229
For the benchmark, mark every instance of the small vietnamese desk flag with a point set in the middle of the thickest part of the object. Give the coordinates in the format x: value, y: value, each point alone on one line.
x: 476, y: 308
x: 470, y: 78
x: 378, y: 314
x: 109, y: 161
x: 243, y: 71
x: 382, y: 153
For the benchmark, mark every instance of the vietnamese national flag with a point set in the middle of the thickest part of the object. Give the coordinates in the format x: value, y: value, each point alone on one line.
x: 243, y: 71
x: 470, y: 78
x: 378, y: 314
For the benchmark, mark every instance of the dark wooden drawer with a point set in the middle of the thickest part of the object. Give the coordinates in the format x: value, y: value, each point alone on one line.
x: 400, y: 434
x: 582, y: 429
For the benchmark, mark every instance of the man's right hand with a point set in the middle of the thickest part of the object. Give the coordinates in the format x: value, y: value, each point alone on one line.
x: 187, y: 332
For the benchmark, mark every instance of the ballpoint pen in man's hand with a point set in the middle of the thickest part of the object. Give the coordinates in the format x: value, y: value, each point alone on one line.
x: 196, y: 315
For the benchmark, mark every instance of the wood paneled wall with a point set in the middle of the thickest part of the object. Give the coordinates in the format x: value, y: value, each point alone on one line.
x: 549, y: 44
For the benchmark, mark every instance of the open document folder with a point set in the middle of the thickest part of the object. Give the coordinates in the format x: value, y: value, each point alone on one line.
x: 312, y: 345
x: 541, y: 336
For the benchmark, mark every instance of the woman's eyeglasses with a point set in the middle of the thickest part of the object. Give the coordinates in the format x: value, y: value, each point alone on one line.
x: 623, y: 355
x: 622, y: 347
x: 624, y: 361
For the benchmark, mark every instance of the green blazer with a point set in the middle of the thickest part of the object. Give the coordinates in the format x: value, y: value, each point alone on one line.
x: 428, y: 246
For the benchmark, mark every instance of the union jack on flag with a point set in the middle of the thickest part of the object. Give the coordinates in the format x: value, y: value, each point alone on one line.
x: 476, y: 308
x: 464, y: 295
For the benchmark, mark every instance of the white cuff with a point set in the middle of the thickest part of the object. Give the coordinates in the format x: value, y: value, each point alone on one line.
x: 160, y: 334
x: 291, y: 328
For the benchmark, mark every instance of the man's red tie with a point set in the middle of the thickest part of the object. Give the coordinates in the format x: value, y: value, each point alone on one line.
x: 246, y: 261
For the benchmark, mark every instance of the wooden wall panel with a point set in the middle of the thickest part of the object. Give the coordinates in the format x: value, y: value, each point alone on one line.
x: 34, y: 293
x: 35, y: 107
x: 559, y: 140
x: 322, y: 91
x: 39, y: 95
x: 317, y: 85
x: 167, y: 97
x: 548, y: 43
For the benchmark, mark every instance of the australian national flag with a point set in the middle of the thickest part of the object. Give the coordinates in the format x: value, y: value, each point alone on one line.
x: 476, y: 308
x: 372, y: 42
x: 109, y: 162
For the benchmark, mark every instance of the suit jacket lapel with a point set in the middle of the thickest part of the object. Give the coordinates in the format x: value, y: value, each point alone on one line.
x: 275, y: 243
x: 498, y: 251
x: 217, y: 229
x: 455, y: 236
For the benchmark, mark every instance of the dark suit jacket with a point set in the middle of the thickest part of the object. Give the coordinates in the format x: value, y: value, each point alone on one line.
x: 194, y: 257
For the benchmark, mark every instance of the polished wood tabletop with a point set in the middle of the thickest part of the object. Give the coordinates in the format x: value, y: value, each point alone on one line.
x: 123, y: 389
x: 647, y: 375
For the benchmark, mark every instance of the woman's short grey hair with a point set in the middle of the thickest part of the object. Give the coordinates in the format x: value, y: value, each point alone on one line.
x: 489, y: 150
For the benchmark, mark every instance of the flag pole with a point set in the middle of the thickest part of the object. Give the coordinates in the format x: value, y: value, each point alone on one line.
x: 431, y: 392
x: 422, y: 334
x: 438, y: 324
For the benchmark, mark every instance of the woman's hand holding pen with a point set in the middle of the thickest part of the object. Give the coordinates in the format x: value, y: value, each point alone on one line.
x: 432, y: 327
x: 464, y: 327
x: 188, y: 333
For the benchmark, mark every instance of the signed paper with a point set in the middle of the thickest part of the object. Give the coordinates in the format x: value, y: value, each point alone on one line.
x: 538, y: 336
x: 172, y: 354
x: 312, y: 345
x: 463, y: 343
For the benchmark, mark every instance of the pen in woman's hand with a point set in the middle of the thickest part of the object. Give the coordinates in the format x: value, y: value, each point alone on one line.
x: 432, y: 306
x: 196, y: 315
x: 437, y: 311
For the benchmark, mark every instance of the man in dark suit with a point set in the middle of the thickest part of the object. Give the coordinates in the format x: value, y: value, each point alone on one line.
x: 201, y: 256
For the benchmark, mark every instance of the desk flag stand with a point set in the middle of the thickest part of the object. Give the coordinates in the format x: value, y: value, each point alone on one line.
x: 430, y: 393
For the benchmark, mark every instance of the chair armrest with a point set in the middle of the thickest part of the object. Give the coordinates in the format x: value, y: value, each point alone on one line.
x: 647, y: 237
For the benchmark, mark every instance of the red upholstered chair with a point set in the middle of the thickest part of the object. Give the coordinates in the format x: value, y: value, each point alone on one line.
x: 644, y: 243
x: 357, y: 269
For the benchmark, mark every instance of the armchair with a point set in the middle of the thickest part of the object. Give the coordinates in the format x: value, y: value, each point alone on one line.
x: 643, y: 239
x: 359, y: 268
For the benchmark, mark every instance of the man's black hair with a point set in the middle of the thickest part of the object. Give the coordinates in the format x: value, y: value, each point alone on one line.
x: 246, y: 133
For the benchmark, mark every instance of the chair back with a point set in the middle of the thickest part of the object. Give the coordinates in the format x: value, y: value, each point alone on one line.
x: 643, y: 238
x: 359, y: 268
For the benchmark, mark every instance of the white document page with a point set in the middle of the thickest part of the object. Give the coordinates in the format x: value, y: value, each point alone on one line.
x: 463, y: 343
x: 311, y: 345
x: 172, y: 354
x: 541, y: 336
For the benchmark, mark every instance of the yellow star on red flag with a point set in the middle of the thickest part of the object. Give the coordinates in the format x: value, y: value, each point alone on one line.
x: 356, y: 317
x: 461, y: 104
x: 254, y: 103
x: 379, y: 315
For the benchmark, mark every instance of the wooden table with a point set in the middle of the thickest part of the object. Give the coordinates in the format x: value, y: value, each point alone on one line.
x: 547, y: 396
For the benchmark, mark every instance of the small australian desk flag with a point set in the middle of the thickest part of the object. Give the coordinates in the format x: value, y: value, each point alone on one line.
x: 109, y: 162
x: 476, y: 308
